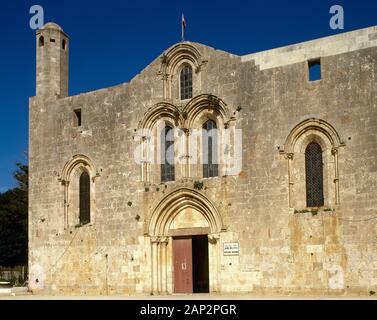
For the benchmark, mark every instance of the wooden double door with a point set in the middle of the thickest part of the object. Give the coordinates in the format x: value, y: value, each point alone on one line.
x: 191, y: 267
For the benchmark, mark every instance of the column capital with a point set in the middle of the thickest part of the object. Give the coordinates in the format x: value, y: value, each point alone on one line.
x: 164, y: 240
x: 186, y: 131
x: 63, y: 182
x: 155, y: 240
x: 289, y: 156
x: 334, y: 151
x: 213, y: 238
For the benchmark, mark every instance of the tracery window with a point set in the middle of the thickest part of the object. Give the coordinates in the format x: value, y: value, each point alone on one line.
x: 84, y: 195
x: 314, y: 175
x: 210, y: 158
x: 167, y: 155
x: 186, y: 82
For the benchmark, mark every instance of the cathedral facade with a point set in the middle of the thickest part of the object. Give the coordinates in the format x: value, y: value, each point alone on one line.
x: 208, y: 172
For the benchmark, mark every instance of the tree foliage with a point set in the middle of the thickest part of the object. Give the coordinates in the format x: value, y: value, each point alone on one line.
x: 14, y: 221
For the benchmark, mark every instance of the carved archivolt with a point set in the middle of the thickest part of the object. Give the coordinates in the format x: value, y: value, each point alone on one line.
x: 171, y: 64
x: 178, y: 200
x: 182, y: 52
x: 185, y: 117
x: 77, y: 160
x: 316, y: 125
x: 206, y: 102
x: 160, y: 111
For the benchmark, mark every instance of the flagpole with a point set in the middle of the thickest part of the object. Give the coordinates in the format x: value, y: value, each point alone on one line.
x: 183, y: 25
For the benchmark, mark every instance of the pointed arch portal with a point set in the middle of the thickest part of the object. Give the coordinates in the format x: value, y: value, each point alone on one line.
x: 184, y: 229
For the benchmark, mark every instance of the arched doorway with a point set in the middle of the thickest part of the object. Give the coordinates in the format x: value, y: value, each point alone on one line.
x: 184, y: 230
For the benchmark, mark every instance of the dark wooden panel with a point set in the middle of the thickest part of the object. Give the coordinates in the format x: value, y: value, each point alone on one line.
x: 200, y: 264
x: 182, y: 256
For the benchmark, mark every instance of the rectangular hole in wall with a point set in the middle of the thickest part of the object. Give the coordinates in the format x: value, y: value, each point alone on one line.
x: 314, y: 69
x: 77, y: 118
x: 52, y: 40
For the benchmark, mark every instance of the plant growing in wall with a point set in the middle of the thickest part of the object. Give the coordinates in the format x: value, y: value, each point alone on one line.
x: 314, y: 212
x: 213, y: 99
x: 198, y: 185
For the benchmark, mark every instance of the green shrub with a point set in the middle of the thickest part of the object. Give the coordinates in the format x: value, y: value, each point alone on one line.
x: 198, y: 185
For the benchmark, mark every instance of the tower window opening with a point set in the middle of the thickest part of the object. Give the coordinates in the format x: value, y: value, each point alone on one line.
x: 41, y: 41
x: 64, y: 43
x: 314, y: 70
x: 77, y: 118
x: 52, y: 40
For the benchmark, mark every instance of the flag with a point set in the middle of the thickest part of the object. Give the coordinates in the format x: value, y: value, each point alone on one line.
x: 183, y: 22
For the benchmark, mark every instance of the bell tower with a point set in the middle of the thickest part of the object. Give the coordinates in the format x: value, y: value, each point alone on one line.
x: 52, y: 62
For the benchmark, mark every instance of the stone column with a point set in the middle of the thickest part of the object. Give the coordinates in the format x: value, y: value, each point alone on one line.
x: 165, y: 86
x: 148, y: 159
x: 154, y: 273
x: 66, y: 203
x: 169, y: 81
x: 145, y: 159
x: 224, y: 156
x: 164, y: 264
x: 187, y: 165
x: 159, y: 267
x: 334, y: 152
x: 142, y: 162
x: 213, y: 239
x: 289, y: 157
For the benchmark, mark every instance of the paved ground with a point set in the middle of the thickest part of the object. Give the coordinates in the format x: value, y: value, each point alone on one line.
x: 180, y: 297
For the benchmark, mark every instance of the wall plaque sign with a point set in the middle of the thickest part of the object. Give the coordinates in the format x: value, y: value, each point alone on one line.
x: 231, y: 249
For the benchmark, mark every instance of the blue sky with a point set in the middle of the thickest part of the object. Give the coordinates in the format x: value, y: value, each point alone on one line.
x: 111, y: 41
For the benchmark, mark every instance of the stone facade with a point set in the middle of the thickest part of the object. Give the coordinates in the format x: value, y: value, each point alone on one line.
x: 284, y: 247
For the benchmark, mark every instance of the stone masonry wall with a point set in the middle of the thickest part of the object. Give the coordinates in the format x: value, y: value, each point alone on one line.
x: 282, y: 251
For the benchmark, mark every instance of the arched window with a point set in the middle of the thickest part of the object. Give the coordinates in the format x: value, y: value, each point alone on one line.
x: 210, y: 155
x: 314, y: 175
x: 84, y: 198
x: 167, y: 155
x: 186, y: 82
x: 41, y: 41
x: 64, y: 43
